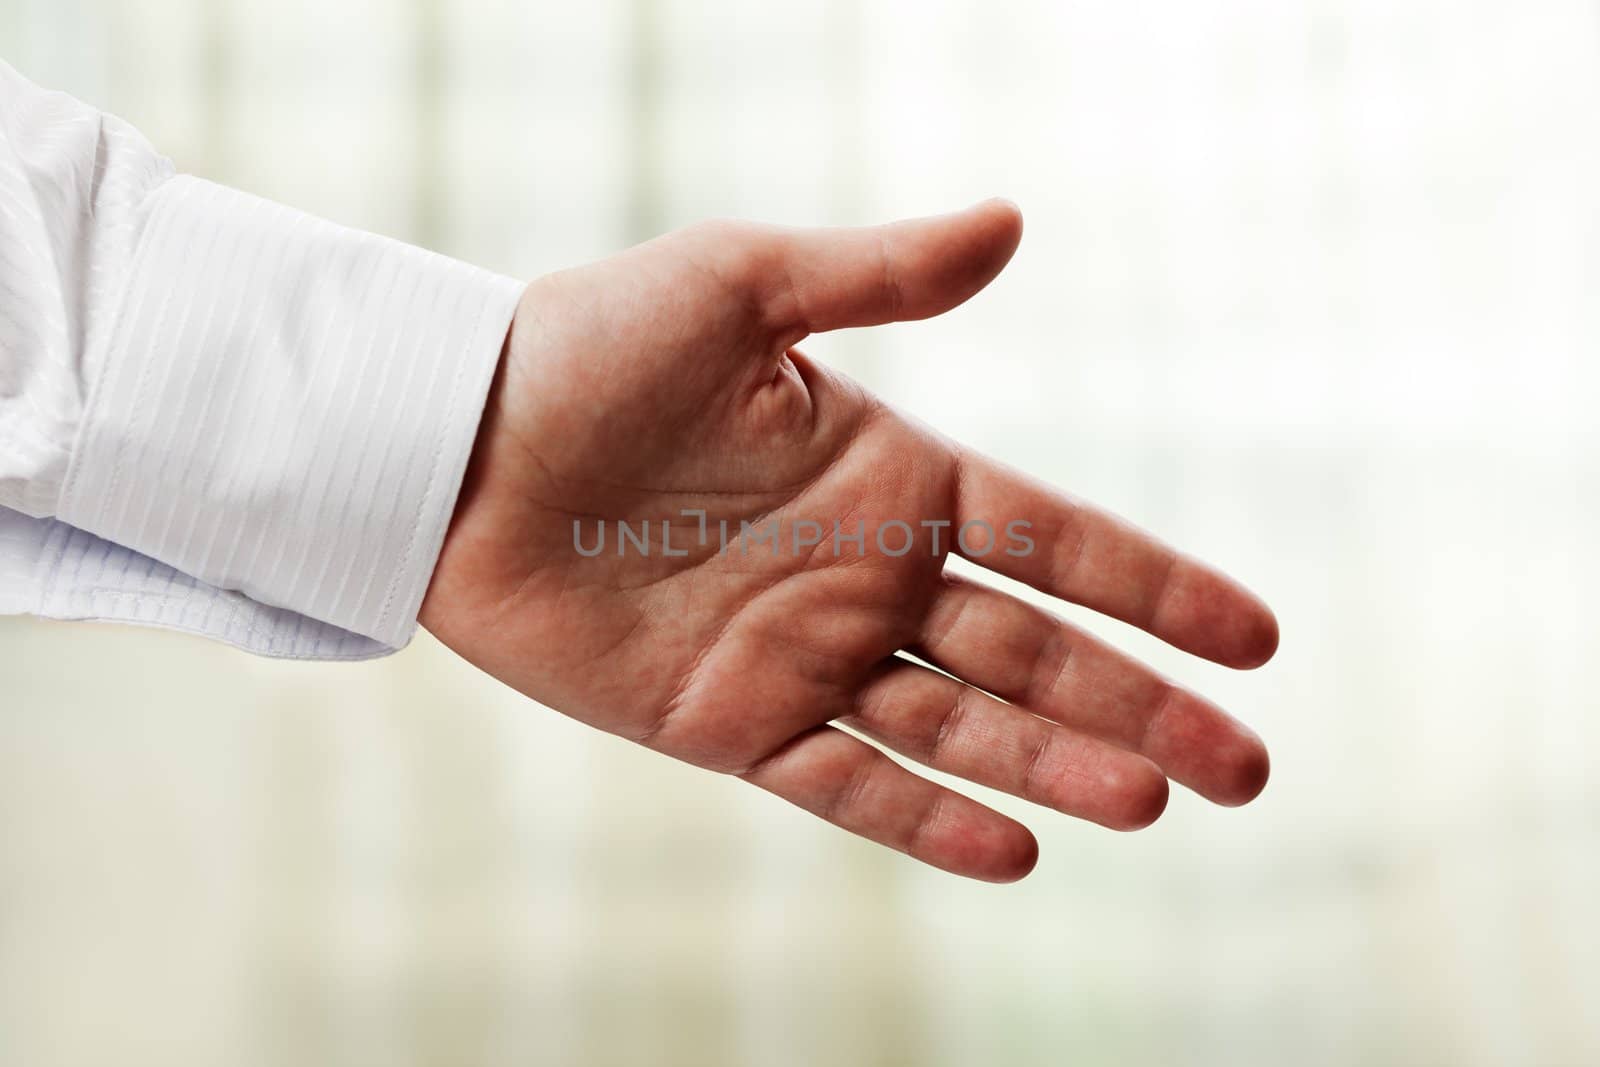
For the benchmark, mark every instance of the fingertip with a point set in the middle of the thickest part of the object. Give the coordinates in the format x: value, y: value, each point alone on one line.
x: 1249, y: 639
x: 1015, y: 857
x: 1004, y: 219
x: 1249, y: 767
x: 1139, y: 797
x: 1213, y: 616
x: 983, y: 844
x: 1007, y: 213
x: 960, y: 253
x: 1260, y: 641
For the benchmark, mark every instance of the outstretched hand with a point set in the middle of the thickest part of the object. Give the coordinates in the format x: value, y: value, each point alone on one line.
x: 656, y: 400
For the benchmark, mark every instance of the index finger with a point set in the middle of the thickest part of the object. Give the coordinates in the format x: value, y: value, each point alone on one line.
x: 1082, y: 554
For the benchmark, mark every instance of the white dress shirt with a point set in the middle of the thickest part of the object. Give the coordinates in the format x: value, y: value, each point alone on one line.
x: 218, y: 414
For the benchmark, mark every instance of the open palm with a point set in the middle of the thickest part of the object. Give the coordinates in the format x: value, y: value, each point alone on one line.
x: 774, y: 540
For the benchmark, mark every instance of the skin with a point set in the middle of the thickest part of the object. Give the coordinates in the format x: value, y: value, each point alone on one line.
x: 667, y: 378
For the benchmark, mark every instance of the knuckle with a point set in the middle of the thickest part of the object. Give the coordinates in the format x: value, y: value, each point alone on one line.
x: 846, y: 796
x: 747, y: 261
x: 1039, y: 773
x: 1159, y: 717
x: 737, y: 247
x: 1051, y: 663
x: 947, y: 726
x: 722, y: 227
x: 927, y: 826
x: 691, y: 734
x: 715, y: 751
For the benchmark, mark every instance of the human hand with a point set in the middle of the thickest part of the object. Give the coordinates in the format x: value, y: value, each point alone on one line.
x: 664, y: 380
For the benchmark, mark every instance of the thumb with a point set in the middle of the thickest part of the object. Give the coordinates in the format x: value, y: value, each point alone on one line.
x: 829, y: 279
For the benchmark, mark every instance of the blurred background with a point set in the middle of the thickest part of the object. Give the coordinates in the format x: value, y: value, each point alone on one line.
x: 1311, y: 287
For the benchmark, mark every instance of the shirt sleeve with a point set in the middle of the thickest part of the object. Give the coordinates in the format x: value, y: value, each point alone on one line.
x: 219, y: 414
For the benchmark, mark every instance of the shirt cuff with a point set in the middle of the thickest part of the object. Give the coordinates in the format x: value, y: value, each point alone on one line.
x: 284, y: 408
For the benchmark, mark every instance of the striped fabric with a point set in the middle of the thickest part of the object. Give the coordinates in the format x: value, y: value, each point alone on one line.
x: 218, y: 414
